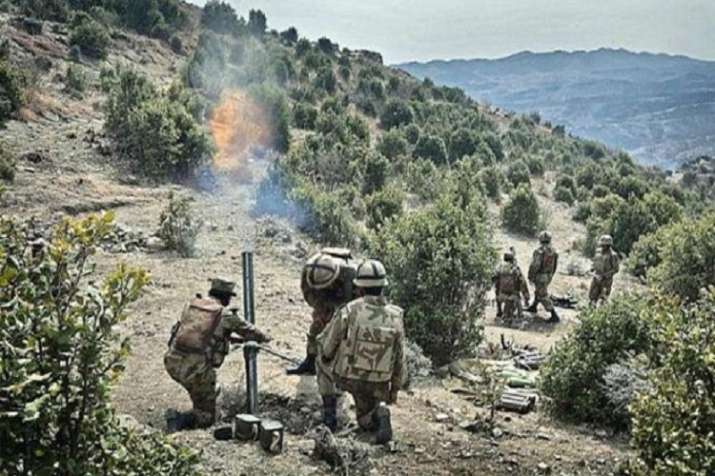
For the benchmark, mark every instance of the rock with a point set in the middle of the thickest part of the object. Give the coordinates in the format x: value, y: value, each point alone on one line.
x: 544, y: 468
x: 441, y: 417
x: 497, y: 432
x: 543, y: 436
x: 154, y: 243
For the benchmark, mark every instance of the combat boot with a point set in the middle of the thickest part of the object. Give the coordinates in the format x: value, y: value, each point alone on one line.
x: 532, y: 308
x: 330, y: 412
x: 554, y: 317
x: 307, y: 367
x: 176, y: 421
x: 381, y: 418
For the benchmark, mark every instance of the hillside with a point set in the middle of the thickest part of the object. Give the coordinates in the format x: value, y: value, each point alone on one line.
x: 283, y: 145
x: 657, y: 107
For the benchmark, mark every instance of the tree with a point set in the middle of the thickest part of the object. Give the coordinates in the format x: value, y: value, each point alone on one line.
x: 12, y: 96
x: 462, y: 143
x: 290, y: 35
x: 90, y: 36
x: 327, y: 46
x: 431, y: 148
x: 219, y: 17
x: 518, y: 173
x: 257, y: 23
x: 522, y: 213
x: 397, y: 113
x: 326, y: 80
x: 392, y: 144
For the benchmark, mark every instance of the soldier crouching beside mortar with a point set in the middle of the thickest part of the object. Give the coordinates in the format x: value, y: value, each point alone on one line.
x: 198, y: 345
x: 361, y: 351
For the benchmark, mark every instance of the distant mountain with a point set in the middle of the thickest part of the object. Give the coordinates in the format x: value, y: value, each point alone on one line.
x: 659, y: 107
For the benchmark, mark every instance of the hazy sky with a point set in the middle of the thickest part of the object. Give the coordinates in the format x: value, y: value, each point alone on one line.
x: 405, y: 30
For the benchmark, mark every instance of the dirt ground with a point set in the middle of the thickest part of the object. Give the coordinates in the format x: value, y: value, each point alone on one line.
x: 74, y: 177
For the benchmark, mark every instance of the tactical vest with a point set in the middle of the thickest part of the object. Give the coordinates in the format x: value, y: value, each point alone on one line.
x: 367, y: 352
x: 195, y: 332
x: 605, y: 264
x: 341, y: 292
x: 548, y: 261
x: 507, y: 280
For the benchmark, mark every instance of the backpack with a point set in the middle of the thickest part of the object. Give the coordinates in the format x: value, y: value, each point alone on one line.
x: 507, y: 280
x: 195, y: 330
x: 548, y: 261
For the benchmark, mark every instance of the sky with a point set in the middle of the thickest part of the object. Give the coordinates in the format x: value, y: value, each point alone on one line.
x: 421, y: 30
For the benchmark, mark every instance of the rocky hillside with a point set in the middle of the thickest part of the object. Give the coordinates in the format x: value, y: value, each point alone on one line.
x: 657, y: 107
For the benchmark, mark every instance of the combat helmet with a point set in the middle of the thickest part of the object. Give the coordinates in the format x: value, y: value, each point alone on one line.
x: 509, y: 255
x: 321, y: 271
x: 371, y: 274
x: 545, y: 237
x: 605, y: 240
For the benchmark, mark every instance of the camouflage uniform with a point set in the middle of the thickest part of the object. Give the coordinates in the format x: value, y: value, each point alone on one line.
x: 541, y: 271
x: 362, y: 352
x: 196, y: 372
x: 605, y: 266
x: 510, y: 285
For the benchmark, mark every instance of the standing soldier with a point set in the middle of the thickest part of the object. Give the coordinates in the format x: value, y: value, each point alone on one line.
x: 541, y: 272
x: 362, y: 352
x: 198, y: 345
x: 326, y: 282
x: 509, y: 284
x: 605, y: 266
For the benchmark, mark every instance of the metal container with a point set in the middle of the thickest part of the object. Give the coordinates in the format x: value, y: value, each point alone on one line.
x: 246, y: 426
x: 270, y: 435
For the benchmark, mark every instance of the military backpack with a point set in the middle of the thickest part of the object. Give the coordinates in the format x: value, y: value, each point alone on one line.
x: 194, y: 332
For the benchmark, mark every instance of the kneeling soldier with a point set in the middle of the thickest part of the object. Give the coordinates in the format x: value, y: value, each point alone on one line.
x: 198, y: 345
x: 361, y: 351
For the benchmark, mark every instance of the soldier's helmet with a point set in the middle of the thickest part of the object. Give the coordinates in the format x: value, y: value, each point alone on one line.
x: 509, y: 256
x: 222, y: 286
x: 322, y: 270
x: 371, y: 274
x: 545, y: 237
x: 605, y: 240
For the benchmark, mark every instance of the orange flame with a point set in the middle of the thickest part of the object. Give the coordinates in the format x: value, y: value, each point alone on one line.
x: 238, y: 124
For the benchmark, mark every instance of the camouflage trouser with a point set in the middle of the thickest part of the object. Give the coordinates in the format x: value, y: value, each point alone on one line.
x: 541, y: 292
x: 510, y: 302
x: 193, y: 373
x: 600, y: 289
x: 321, y: 318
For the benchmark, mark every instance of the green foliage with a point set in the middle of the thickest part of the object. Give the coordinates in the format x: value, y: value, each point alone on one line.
x: 572, y: 376
x: 326, y: 80
x: 178, y: 228
x: 275, y: 103
x: 392, y: 144
x: 375, y: 172
x: 397, y: 113
x: 12, y: 96
x: 536, y: 166
x: 327, y: 46
x: 564, y: 194
x: 328, y: 219
x: 566, y: 181
x: 90, y: 36
x: 431, y: 148
x: 634, y: 218
x: 257, y: 23
x: 674, y: 421
x: 440, y: 261
x: 7, y: 165
x: 159, y: 133
x: 412, y: 133
x: 383, y: 205
x: 522, y: 214
x: 462, y: 143
x: 55, y: 10
x: 492, y: 179
x: 61, y: 353
x: 518, y: 173
x: 290, y: 35
x: 220, y: 17
x: 75, y: 81
x: 304, y: 116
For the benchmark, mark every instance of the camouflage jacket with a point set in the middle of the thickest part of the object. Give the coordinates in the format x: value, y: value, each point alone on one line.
x: 509, y: 281
x: 231, y: 324
x: 365, y: 341
x: 606, y: 265
x: 543, y: 264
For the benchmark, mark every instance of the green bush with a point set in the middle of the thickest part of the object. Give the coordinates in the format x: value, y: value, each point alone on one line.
x: 7, y: 165
x: 275, y: 103
x: 431, y: 148
x: 645, y: 253
x: 178, y: 228
x: 220, y: 17
x: 522, y: 214
x: 440, y: 260
x: 90, y: 36
x: 61, y: 353
x: 518, y: 173
x: 595, y: 227
x: 397, y: 113
x: 75, y: 81
x: 674, y: 421
x: 392, y: 144
x: 304, y: 116
x: 566, y: 181
x: 536, y: 166
x: 563, y: 194
x: 492, y: 179
x: 327, y: 217
x: 583, y: 212
x: 572, y: 376
x: 462, y: 143
x: 55, y: 10
x: 326, y: 80
x: 604, y: 207
x: 634, y: 218
x: 11, y: 91
x: 383, y: 205
x: 257, y: 23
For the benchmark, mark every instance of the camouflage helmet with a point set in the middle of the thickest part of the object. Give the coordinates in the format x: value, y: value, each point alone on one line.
x: 509, y: 255
x: 545, y: 237
x: 222, y: 286
x: 321, y: 271
x: 605, y: 240
x: 371, y: 274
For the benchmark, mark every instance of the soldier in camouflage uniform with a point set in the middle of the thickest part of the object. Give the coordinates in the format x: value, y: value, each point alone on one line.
x: 541, y: 271
x: 605, y: 266
x: 198, y: 345
x: 326, y: 283
x: 509, y: 286
x: 362, y: 352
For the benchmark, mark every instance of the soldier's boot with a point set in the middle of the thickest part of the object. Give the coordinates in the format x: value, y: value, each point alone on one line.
x: 330, y: 412
x: 307, y: 367
x: 176, y: 421
x: 381, y: 419
x: 554, y: 317
x: 532, y: 308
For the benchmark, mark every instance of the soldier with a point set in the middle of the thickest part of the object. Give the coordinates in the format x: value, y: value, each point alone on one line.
x: 198, y: 345
x: 326, y: 282
x: 605, y: 266
x: 509, y: 284
x: 362, y: 352
x: 541, y: 272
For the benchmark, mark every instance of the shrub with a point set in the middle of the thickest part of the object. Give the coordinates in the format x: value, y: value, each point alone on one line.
x: 566, y: 181
x: 327, y: 46
x: 290, y: 35
x: 492, y: 179
x: 275, y: 103
x: 397, y: 113
x: 75, y: 81
x: 219, y: 17
x: 178, y: 228
x: 634, y: 218
x: 495, y: 145
x: 674, y: 421
x: 522, y: 213
x: 462, y: 143
x: 304, y: 116
x: 595, y: 227
x: 7, y: 165
x: 563, y: 194
x: 177, y: 46
x: 327, y: 217
x: 392, y: 144
x: 326, y: 80
x: 518, y: 173
x: 439, y: 260
x: 536, y: 166
x: 583, y: 212
x: 645, y: 253
x: 431, y: 148
x: 55, y: 10
x: 573, y: 374
x: 384, y: 205
x: 61, y: 352
x: 11, y: 91
x: 604, y: 207
x: 90, y: 36
x: 375, y: 172
x: 257, y: 23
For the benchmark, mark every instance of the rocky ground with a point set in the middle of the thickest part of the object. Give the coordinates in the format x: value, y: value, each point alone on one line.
x: 65, y: 169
